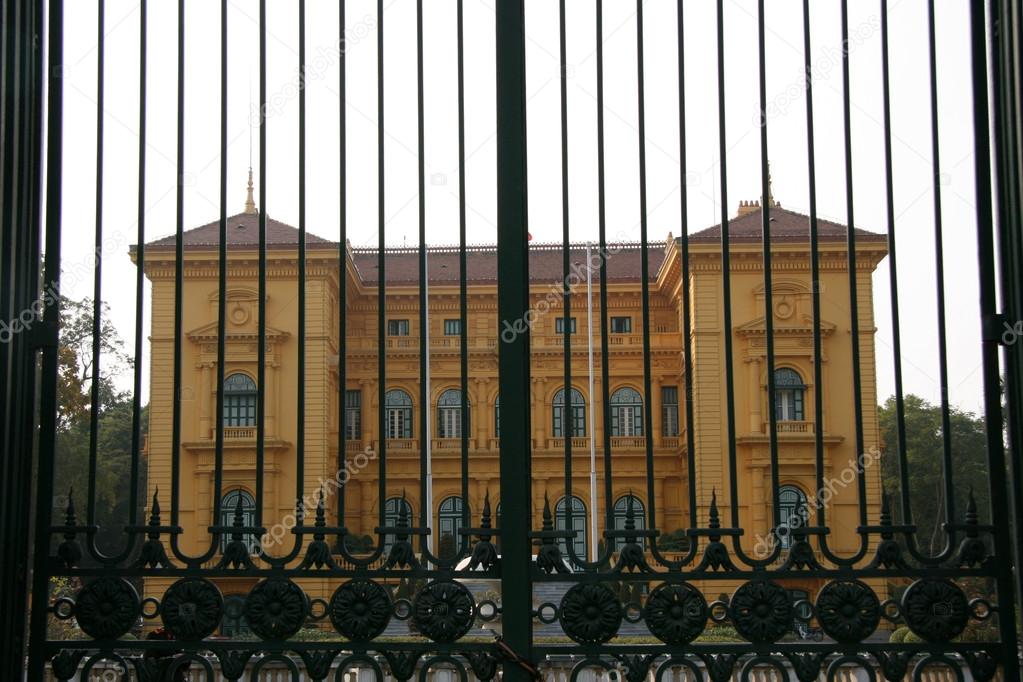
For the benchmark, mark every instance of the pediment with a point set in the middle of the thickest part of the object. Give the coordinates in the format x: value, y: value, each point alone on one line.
x: 210, y: 332
x: 800, y: 327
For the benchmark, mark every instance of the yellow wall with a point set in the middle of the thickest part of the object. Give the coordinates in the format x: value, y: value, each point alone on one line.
x: 793, y: 348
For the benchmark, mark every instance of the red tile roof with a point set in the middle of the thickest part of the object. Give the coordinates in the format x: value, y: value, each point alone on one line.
x: 545, y: 260
x: 786, y: 226
x: 545, y: 263
x: 243, y: 230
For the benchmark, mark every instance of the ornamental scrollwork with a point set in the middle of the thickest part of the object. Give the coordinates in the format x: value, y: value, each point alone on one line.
x: 360, y: 609
x: 276, y: 608
x: 444, y: 611
x: 106, y: 608
x: 935, y: 609
x: 848, y: 610
x: 192, y: 608
x: 590, y: 613
x: 675, y: 613
x: 761, y: 611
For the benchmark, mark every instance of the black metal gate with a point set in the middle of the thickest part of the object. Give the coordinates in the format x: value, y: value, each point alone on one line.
x: 637, y: 606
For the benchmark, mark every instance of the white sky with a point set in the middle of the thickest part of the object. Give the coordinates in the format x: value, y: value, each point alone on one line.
x: 912, y: 160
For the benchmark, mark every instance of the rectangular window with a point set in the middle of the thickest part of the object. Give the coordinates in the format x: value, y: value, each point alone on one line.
x: 399, y: 422
x: 397, y: 327
x: 452, y: 327
x: 559, y: 325
x: 353, y: 415
x: 669, y: 411
x: 621, y: 325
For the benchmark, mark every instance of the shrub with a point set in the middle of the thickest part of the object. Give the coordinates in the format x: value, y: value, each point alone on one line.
x: 898, y: 635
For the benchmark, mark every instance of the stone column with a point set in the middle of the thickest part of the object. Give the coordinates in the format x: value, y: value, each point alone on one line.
x: 659, y: 503
x: 758, y: 508
x: 655, y: 409
x: 270, y: 396
x: 481, y: 413
x: 538, y: 416
x: 205, y: 397
x: 369, y: 423
x: 756, y: 419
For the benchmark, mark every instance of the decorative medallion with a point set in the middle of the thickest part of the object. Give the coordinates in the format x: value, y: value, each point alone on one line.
x: 444, y: 611
x: 935, y: 609
x: 590, y: 613
x: 676, y: 614
x: 192, y: 608
x: 107, y: 608
x: 848, y: 610
x: 360, y: 609
x: 761, y: 611
x: 276, y: 608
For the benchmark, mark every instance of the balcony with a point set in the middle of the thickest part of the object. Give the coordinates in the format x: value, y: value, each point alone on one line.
x: 239, y: 433
x: 581, y: 443
x: 628, y: 442
x: 791, y: 427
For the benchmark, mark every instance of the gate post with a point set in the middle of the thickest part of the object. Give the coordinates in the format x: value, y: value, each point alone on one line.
x: 513, y: 333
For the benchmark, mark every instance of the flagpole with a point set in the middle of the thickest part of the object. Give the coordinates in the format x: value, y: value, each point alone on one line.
x: 428, y: 446
x: 593, y: 440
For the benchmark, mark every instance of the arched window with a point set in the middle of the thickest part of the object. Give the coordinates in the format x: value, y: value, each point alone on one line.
x: 239, y: 400
x: 228, y: 509
x: 789, y: 391
x: 449, y: 519
x: 578, y: 515
x: 578, y: 412
x: 793, y: 512
x: 233, y: 623
x: 626, y: 412
x: 398, y: 406
x: 497, y: 417
x: 392, y: 510
x: 449, y: 412
x: 621, y: 512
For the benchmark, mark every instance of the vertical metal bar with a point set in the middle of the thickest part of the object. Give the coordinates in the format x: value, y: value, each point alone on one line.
x: 463, y: 276
x: 605, y: 378
x: 765, y: 226
x: 644, y: 271
x: 939, y: 264
x: 726, y: 285
x: 567, y: 420
x: 382, y: 274
x: 97, y: 290
x: 261, y: 286
x: 50, y: 361
x: 140, y: 255
x: 300, y: 406
x: 218, y: 457
x: 513, y: 354
x: 989, y: 349
x: 854, y: 314
x: 1006, y: 23
x: 815, y: 301
x: 893, y: 283
x: 425, y: 449
x: 23, y: 83
x: 342, y: 294
x: 687, y: 321
x: 179, y: 283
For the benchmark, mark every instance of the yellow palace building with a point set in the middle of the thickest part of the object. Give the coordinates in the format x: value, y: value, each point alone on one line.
x: 794, y: 402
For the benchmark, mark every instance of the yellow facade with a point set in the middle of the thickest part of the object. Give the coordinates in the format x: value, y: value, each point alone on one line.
x: 792, y: 316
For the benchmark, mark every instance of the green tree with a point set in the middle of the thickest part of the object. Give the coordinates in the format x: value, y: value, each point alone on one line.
x: 114, y: 422
x: 925, y: 469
